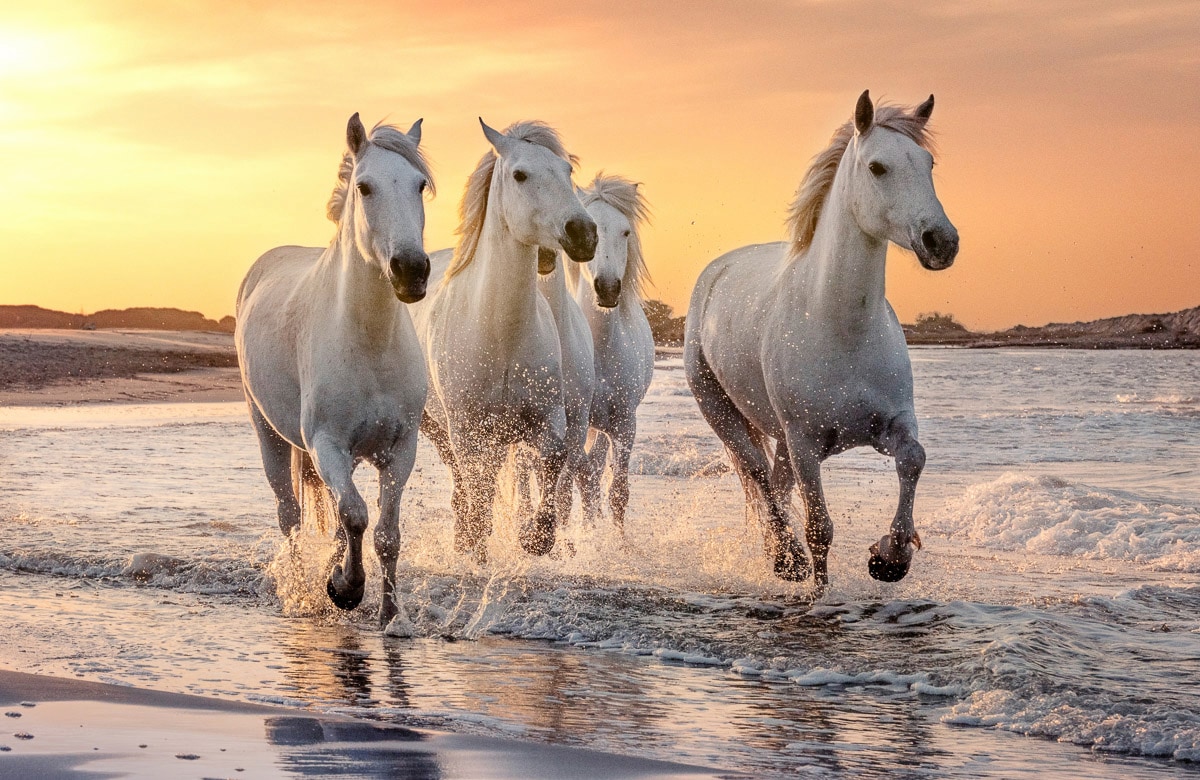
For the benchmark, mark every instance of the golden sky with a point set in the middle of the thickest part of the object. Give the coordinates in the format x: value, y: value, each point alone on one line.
x: 149, y: 152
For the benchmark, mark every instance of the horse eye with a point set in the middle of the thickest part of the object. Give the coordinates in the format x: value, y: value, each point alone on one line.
x: 877, y: 169
x: 520, y: 175
x: 424, y: 186
x: 626, y: 234
x: 364, y: 189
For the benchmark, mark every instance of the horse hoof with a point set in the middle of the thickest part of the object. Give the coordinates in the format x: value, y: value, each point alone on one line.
x: 538, y: 539
x: 887, y: 572
x: 793, y: 565
x: 347, y: 601
x: 387, y: 611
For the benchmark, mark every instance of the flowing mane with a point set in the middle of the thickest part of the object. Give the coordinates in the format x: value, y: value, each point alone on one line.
x: 473, y: 209
x: 624, y: 196
x: 388, y: 137
x: 805, y: 210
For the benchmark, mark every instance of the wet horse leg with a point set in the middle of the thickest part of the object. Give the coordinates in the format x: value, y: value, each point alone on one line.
x: 393, y: 476
x: 741, y: 440
x: 590, y: 473
x: 479, y: 470
x: 818, y: 527
x: 618, y: 492
x: 458, y: 495
x: 347, y: 580
x: 891, y: 556
x: 277, y: 462
x: 537, y: 533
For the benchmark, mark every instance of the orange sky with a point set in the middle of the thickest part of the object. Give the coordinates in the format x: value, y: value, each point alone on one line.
x: 149, y: 152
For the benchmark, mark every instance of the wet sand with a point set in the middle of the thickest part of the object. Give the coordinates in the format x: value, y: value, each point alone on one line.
x: 56, y: 727
x: 67, y: 367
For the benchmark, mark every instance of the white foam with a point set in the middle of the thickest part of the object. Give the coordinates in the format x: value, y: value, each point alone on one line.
x: 1052, y: 516
x: 1096, y: 724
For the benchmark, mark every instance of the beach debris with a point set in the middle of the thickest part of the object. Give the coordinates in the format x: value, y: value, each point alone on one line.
x: 12, y: 714
x: 23, y: 735
x: 28, y: 704
x: 187, y: 756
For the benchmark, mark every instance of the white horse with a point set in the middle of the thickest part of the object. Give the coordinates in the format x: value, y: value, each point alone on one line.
x: 331, y: 366
x: 609, y: 291
x: 492, y: 347
x: 796, y: 341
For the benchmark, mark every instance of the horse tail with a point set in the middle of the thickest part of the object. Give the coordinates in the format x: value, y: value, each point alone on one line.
x: 311, y: 493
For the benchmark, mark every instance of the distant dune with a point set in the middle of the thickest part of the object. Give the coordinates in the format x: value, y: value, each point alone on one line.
x: 1177, y: 330
x: 143, y: 318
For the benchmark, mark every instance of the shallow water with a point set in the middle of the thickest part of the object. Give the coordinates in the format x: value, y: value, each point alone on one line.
x: 1052, y: 622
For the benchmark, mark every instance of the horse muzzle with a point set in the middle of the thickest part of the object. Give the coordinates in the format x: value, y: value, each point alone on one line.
x: 547, y: 261
x: 608, y: 292
x: 936, y: 247
x: 409, y: 274
x: 579, y: 239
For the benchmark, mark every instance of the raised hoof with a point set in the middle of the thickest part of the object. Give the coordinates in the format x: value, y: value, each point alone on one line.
x: 538, y: 538
x: 887, y: 572
x: 344, y: 601
x: 792, y: 564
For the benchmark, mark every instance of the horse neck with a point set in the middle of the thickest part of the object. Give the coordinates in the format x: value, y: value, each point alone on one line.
x: 363, y: 299
x: 842, y: 275
x: 502, y: 282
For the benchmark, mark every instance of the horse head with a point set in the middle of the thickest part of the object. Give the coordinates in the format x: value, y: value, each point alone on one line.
x: 618, y: 207
x: 533, y: 190
x: 890, y: 182
x: 384, y: 197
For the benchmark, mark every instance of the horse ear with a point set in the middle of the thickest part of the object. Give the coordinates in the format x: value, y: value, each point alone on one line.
x: 414, y: 132
x: 864, y: 113
x: 499, y: 141
x: 925, y: 110
x: 356, y: 135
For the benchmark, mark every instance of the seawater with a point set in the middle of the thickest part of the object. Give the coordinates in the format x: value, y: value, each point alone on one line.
x: 1051, y: 624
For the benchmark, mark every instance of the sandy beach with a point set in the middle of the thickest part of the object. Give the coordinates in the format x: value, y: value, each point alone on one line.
x: 72, y: 729
x: 65, y: 367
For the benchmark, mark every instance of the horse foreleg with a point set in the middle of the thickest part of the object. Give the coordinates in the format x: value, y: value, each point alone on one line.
x: 618, y: 492
x: 479, y: 474
x: 536, y: 533
x: 818, y: 527
x: 891, y: 555
x: 393, y: 476
x: 589, y: 474
x: 459, y: 502
x: 347, y: 580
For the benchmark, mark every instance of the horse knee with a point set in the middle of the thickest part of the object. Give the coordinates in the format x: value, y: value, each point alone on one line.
x: 352, y: 511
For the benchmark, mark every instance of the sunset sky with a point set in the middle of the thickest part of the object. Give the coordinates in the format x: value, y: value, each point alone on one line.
x: 149, y: 152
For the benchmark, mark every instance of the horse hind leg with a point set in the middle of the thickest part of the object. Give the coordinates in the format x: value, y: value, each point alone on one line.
x: 277, y: 463
x: 743, y: 442
x: 891, y: 555
x: 393, y: 476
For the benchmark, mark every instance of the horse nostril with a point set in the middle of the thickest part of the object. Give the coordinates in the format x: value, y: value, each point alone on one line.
x: 410, y: 267
x: 931, y: 240
x: 580, y: 231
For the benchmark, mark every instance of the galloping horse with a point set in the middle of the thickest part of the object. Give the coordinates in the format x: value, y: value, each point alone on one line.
x: 609, y: 291
x: 492, y: 348
x: 796, y: 341
x: 330, y: 363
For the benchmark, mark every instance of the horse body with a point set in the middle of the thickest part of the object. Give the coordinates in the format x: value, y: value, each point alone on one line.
x: 797, y: 342
x: 608, y: 290
x: 330, y: 364
x: 492, y: 347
